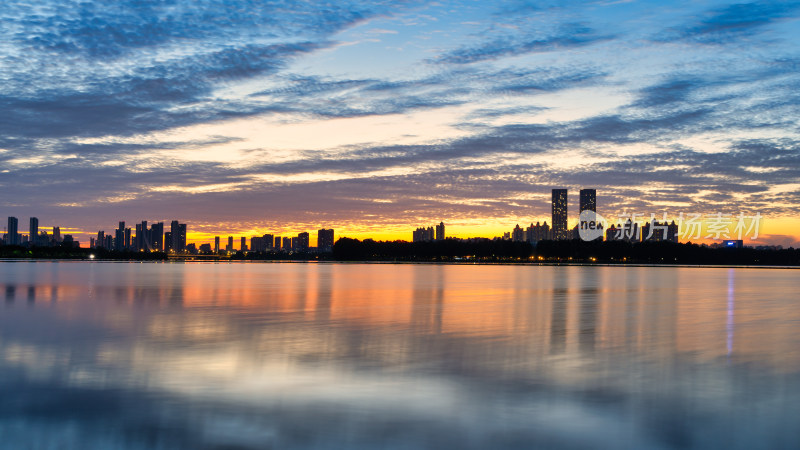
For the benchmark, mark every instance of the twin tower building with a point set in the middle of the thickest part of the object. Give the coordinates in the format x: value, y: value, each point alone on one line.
x: 588, y: 201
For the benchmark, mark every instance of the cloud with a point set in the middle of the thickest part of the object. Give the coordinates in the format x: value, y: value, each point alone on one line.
x: 117, y: 28
x: 731, y: 23
x: 694, y: 127
x: 567, y: 37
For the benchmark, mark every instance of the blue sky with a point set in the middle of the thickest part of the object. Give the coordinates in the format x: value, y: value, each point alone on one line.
x: 248, y: 117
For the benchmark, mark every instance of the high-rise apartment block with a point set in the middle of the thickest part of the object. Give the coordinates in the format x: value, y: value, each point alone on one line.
x: 423, y: 234
x: 177, y: 239
x: 559, y: 214
x: 12, y: 233
x: 440, y: 231
x: 325, y: 240
x: 34, y: 231
x: 302, y: 242
x: 588, y: 200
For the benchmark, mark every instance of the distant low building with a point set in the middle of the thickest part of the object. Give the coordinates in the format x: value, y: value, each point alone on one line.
x: 655, y: 231
x: 732, y: 243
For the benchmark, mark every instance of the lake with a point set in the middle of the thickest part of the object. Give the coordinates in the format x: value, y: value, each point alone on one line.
x: 397, y: 356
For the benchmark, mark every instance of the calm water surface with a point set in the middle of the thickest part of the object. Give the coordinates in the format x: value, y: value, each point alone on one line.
x: 240, y: 356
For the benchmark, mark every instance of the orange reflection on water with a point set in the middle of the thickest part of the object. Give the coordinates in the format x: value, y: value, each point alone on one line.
x: 742, y: 315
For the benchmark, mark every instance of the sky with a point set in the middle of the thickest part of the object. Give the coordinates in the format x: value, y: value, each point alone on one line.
x: 373, y: 118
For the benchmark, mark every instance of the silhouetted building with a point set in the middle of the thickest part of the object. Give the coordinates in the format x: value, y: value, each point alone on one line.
x: 732, y: 243
x: 101, y: 239
x: 191, y: 249
x: 143, y: 237
x: 69, y: 242
x: 559, y: 214
x: 538, y: 232
x: 588, y: 200
x: 57, y: 235
x: 205, y: 248
x: 261, y: 243
x: 277, y: 245
x: 243, y: 244
x: 157, y: 236
x: 628, y: 231
x: 177, y: 236
x: 229, y: 247
x: 325, y: 240
x: 518, y: 234
x: 611, y: 232
x: 119, y: 237
x: 33, y: 231
x: 12, y: 234
x: 423, y: 234
x: 287, y: 244
x: 440, y: 231
x: 168, y: 241
x: 216, y: 244
x: 302, y: 242
x: 655, y: 231
x: 590, y: 224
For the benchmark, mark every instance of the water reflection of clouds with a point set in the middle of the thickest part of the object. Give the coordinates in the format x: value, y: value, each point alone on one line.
x: 424, y: 361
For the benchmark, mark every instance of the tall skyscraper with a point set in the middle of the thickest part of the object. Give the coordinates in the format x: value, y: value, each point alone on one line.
x: 57, y: 235
x: 178, y: 236
x: 34, y: 231
x: 440, y: 231
x: 127, y: 238
x: 559, y: 214
x: 243, y: 244
x: 216, y: 244
x: 157, y: 236
x: 142, y: 238
x: 12, y: 236
x: 325, y: 240
x: 277, y: 245
x: 229, y: 247
x: 588, y: 200
x: 302, y: 242
x: 101, y: 239
x: 119, y: 237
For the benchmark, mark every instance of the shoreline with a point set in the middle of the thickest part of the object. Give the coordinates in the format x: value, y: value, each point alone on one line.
x: 454, y: 263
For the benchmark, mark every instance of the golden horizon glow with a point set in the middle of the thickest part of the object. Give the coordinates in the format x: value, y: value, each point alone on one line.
x: 772, y: 231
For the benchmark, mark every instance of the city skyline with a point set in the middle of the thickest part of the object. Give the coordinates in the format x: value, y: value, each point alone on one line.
x: 633, y: 227
x: 381, y: 116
